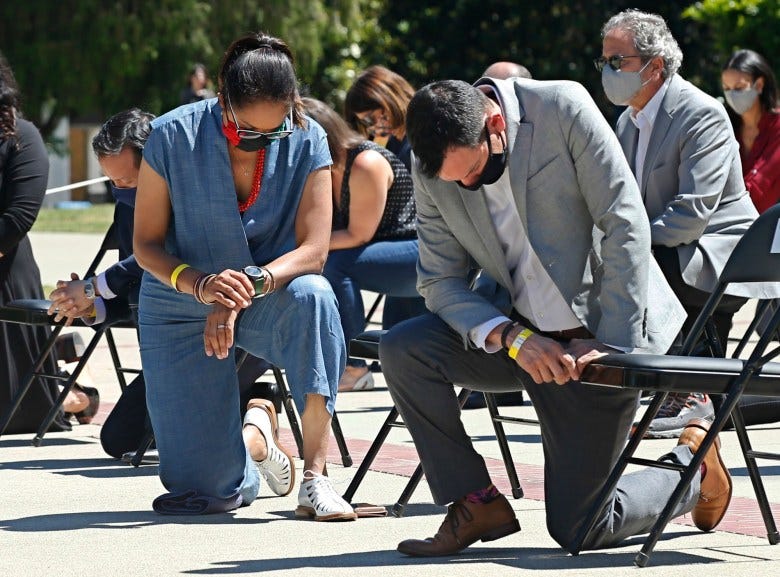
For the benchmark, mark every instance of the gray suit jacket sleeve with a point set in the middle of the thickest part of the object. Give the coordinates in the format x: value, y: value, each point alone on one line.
x: 444, y: 267
x: 706, y: 153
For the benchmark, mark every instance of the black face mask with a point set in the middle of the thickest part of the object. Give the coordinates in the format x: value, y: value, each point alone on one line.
x: 494, y: 167
x: 253, y: 144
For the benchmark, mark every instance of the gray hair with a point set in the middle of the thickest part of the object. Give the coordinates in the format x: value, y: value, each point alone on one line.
x: 651, y: 36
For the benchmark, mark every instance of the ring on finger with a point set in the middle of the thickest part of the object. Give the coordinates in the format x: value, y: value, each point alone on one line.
x: 221, y: 326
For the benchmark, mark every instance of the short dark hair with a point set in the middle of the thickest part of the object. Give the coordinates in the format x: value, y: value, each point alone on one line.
x: 341, y: 137
x: 443, y: 115
x: 258, y: 67
x: 756, y: 66
x: 126, y: 129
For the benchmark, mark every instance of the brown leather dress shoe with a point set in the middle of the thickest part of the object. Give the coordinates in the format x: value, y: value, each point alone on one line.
x: 716, y: 485
x: 464, y: 524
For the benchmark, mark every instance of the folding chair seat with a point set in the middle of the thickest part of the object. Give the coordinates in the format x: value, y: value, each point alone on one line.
x: 34, y: 312
x: 289, y: 409
x: 756, y: 258
x: 366, y: 345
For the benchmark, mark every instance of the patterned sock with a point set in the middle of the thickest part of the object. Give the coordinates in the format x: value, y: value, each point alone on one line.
x: 483, y: 496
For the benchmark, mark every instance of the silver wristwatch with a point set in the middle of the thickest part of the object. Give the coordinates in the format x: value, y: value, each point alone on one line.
x: 89, y: 289
x: 258, y: 277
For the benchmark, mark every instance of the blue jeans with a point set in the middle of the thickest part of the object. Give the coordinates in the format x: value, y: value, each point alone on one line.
x: 193, y: 400
x: 388, y: 267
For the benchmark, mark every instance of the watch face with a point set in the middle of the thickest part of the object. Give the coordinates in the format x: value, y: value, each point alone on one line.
x: 253, y: 271
x: 89, y: 290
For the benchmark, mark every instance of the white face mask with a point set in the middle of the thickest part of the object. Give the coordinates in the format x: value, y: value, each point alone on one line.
x: 741, y: 101
x: 621, y: 86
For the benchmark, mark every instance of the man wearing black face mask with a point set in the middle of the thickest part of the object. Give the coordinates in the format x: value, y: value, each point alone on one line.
x: 113, y: 294
x: 555, y: 217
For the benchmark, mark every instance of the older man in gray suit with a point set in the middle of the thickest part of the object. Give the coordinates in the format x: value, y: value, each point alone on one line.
x: 681, y: 147
x: 525, y: 180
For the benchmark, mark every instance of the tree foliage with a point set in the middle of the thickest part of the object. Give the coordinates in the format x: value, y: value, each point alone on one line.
x: 557, y: 39
x: 86, y: 59
x: 734, y: 24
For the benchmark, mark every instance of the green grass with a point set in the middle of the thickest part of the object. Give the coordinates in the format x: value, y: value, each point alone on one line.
x: 96, y: 218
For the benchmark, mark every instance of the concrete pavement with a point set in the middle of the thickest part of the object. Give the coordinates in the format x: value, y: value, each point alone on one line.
x: 67, y: 507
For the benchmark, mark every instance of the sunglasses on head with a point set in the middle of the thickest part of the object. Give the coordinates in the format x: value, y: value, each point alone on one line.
x: 615, y: 62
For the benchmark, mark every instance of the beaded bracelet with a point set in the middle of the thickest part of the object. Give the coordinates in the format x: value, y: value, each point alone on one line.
x: 506, y: 331
x: 518, y: 342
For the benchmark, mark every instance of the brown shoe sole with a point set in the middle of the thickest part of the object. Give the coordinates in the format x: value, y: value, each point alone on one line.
x: 268, y: 407
x: 492, y: 535
x: 709, y: 527
x: 302, y: 512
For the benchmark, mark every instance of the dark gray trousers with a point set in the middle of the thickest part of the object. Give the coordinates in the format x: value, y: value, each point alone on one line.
x: 583, y: 430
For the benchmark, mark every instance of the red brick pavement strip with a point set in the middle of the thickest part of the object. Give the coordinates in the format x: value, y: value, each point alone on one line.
x: 743, y: 516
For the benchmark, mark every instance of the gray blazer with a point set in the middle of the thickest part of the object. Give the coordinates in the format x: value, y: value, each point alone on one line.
x: 692, y: 185
x: 581, y: 210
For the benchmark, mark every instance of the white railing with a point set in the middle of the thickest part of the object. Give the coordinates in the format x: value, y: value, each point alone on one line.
x: 77, y: 185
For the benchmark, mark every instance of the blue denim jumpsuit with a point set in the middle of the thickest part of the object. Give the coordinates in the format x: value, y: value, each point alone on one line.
x: 193, y: 399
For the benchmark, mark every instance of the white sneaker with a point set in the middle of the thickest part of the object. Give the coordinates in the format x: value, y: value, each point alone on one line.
x: 317, y: 498
x: 277, y: 468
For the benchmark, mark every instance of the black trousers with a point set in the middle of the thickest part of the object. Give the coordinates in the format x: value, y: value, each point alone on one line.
x: 693, y: 299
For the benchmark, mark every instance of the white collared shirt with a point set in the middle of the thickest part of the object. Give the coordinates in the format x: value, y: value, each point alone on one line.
x: 644, y: 120
x: 534, y: 294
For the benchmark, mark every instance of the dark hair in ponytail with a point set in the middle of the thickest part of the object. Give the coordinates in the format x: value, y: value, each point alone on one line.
x: 9, y: 100
x: 258, y: 67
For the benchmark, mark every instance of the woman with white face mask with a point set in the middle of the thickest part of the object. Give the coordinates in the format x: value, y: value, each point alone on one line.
x: 750, y: 90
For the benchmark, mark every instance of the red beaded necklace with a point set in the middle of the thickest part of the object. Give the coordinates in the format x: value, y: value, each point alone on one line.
x: 257, y: 180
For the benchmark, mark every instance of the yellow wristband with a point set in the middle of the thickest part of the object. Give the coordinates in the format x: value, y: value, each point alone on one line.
x: 175, y: 275
x: 518, y: 342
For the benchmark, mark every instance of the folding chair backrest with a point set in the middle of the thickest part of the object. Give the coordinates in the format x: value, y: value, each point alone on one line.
x: 753, y: 259
x: 110, y: 242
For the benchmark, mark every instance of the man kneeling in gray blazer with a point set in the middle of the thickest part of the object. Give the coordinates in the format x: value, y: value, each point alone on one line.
x: 526, y: 180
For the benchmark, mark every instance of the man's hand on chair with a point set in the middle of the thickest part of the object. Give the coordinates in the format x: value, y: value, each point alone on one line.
x: 586, y: 351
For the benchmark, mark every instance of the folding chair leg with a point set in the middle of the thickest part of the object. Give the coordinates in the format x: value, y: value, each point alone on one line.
x: 755, y: 476
x: 414, y: 480
x: 289, y: 409
x: 371, y: 454
x: 643, y: 557
x: 146, y: 442
x: 406, y: 494
x: 503, y: 444
x: 120, y: 374
x: 13, y: 406
x: 47, y: 421
x: 346, y: 458
x: 617, y: 471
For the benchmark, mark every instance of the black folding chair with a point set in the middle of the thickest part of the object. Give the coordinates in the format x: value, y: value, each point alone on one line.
x: 289, y: 409
x: 751, y: 261
x: 366, y: 345
x: 34, y: 312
